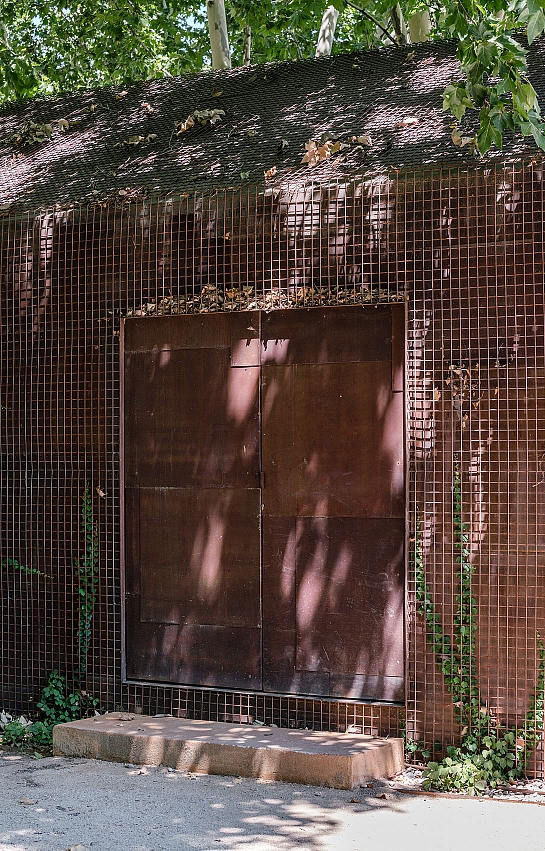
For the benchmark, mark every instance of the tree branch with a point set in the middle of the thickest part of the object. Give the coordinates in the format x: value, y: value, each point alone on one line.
x: 400, y: 27
x: 219, y: 39
x: 247, y: 45
x: 300, y: 53
x: 371, y: 18
x: 327, y: 31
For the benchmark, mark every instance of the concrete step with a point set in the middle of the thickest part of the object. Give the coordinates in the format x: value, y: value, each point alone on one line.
x: 339, y: 760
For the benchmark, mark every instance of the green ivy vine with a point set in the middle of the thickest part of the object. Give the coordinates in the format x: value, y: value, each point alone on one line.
x: 14, y: 564
x: 87, y: 574
x: 489, y: 754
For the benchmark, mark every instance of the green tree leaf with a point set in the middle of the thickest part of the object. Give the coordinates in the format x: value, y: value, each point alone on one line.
x: 535, y: 26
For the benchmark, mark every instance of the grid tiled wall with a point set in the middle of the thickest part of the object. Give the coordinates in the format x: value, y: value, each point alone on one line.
x: 464, y: 248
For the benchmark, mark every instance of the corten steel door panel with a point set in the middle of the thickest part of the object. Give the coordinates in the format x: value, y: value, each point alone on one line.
x: 192, y: 519
x: 236, y: 331
x: 206, y: 531
x: 191, y: 420
x: 327, y: 335
x: 334, y: 502
x: 199, y: 654
x: 333, y: 444
x: 350, y: 603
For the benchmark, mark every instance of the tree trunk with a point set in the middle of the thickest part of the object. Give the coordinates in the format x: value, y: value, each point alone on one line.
x: 247, y: 45
x: 219, y: 38
x: 400, y: 27
x: 327, y: 31
x: 420, y: 26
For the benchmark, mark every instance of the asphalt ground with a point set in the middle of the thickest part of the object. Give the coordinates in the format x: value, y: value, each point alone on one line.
x: 55, y: 804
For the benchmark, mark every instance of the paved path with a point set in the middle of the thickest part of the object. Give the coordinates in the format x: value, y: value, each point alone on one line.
x: 55, y: 804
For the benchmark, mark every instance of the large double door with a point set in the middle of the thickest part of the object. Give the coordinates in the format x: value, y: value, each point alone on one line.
x: 264, y: 500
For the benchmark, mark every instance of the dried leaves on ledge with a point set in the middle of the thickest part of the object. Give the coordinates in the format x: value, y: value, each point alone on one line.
x: 212, y: 299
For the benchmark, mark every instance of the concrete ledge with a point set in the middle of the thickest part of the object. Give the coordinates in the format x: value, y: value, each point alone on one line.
x: 339, y: 760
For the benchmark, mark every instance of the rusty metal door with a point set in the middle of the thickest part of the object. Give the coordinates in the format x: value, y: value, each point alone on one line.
x: 334, y: 501
x: 192, y: 500
x: 265, y: 500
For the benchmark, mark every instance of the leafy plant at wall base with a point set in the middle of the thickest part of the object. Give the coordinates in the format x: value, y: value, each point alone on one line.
x: 86, y: 568
x: 41, y: 735
x: 58, y: 706
x: 412, y: 748
x: 14, y: 734
x: 489, y: 754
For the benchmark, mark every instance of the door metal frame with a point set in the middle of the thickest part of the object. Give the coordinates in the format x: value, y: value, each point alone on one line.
x: 261, y: 693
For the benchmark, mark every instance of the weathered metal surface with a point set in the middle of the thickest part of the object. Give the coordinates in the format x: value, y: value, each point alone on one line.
x: 238, y: 331
x: 191, y: 420
x: 333, y: 474
x: 334, y: 440
x: 333, y: 503
x: 197, y: 654
x: 350, y: 595
x: 333, y: 606
x: 200, y: 556
x: 328, y: 335
x: 350, y: 603
x: 191, y: 455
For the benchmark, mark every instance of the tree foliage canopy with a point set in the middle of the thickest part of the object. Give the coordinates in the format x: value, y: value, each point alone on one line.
x: 59, y: 45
